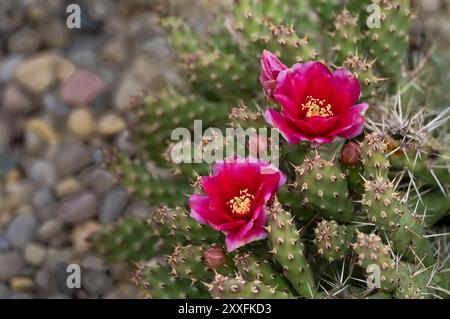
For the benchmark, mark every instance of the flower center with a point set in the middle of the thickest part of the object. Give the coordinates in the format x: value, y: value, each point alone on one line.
x: 316, y: 107
x: 241, y: 205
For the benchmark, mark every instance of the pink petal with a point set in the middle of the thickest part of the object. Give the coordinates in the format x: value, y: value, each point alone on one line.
x: 290, y: 92
x: 230, y: 226
x: 234, y: 240
x: 345, y: 83
x: 284, y: 125
x: 352, y: 123
x: 318, y: 78
x: 200, y: 210
x: 253, y: 230
x: 316, y: 125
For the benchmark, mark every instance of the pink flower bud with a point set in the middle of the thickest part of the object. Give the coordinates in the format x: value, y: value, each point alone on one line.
x: 351, y: 153
x: 257, y: 144
x: 271, y: 66
x: 215, y: 257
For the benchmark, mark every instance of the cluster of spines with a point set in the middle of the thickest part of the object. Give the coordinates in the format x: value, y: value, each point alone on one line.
x: 129, y: 240
x: 374, y: 156
x: 288, y: 250
x: 133, y: 240
x: 405, y: 280
x: 228, y: 287
x: 134, y: 175
x: 188, y: 261
x: 346, y: 35
x: 370, y: 251
x: 333, y: 240
x: 364, y: 70
x: 326, y: 10
x: 253, y: 268
x: 157, y: 282
x: 157, y: 116
x: 390, y: 39
x: 323, y: 186
x: 281, y: 39
x: 215, y: 67
x: 386, y: 210
x: 176, y: 223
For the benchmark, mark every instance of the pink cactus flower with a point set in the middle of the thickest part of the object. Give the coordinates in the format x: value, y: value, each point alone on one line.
x: 317, y: 105
x: 234, y: 200
x: 271, y: 66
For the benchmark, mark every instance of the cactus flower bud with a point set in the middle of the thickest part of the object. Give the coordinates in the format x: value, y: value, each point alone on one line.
x: 215, y: 257
x: 271, y: 66
x: 351, y: 153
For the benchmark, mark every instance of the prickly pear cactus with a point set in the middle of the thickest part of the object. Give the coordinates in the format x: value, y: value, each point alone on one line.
x: 361, y: 194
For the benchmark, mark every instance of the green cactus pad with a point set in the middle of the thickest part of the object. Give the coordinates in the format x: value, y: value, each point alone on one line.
x: 288, y: 250
x: 324, y: 186
x: 225, y: 287
x: 385, y: 209
x: 157, y: 282
x: 373, y: 153
x: 332, y: 240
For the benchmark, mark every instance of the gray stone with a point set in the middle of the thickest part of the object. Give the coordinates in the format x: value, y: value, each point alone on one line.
x: 5, y: 245
x: 96, y: 282
x: 33, y: 143
x: 4, y: 291
x: 43, y: 198
x: 55, y: 106
x: 84, y: 56
x: 21, y: 295
x: 100, y: 180
x: 78, y: 207
x: 7, y: 161
x: 49, y: 230
x: 21, y: 230
x: 8, y: 67
x: 43, y: 173
x: 11, y: 263
x: 124, y: 142
x: 25, y: 41
x: 72, y: 157
x: 5, y: 137
x: 15, y: 101
x: 46, y: 281
x: 113, y: 205
x: 123, y: 291
x: 57, y: 256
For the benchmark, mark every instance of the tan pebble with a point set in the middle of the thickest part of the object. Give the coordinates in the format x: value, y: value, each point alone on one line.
x: 21, y: 284
x: 81, y: 234
x: 43, y: 71
x: 43, y: 130
x: 35, y: 254
x: 111, y: 124
x: 68, y: 186
x: 81, y: 122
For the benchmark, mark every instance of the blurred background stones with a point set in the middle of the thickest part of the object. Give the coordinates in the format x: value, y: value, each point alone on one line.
x: 62, y: 96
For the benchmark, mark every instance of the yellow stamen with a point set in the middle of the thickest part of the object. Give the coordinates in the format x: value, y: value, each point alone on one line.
x: 241, y: 205
x: 316, y: 107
